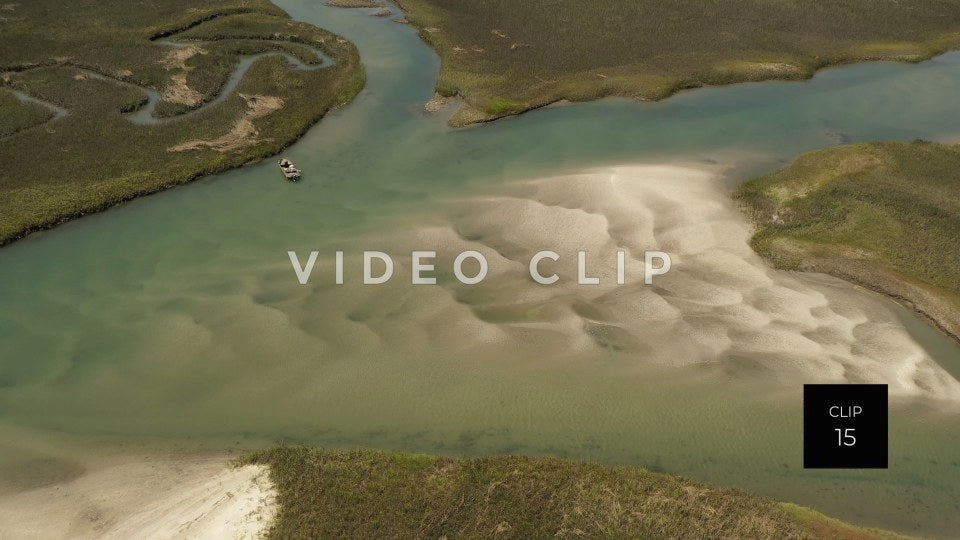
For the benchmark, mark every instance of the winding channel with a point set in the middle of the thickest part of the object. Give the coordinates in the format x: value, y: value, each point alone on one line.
x: 144, y: 115
x: 176, y: 319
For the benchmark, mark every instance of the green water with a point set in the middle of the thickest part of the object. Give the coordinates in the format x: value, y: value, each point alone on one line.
x: 177, y: 316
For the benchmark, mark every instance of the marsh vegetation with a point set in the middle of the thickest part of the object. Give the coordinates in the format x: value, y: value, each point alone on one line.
x: 100, y: 60
x: 885, y: 215
x: 366, y: 494
x: 505, y: 57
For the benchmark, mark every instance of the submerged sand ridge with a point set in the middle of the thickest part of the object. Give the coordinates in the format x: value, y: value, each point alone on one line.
x: 720, y: 305
x: 256, y: 352
x: 237, y: 346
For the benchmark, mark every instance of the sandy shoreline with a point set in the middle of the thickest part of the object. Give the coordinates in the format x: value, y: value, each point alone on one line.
x: 147, y: 497
x: 931, y: 306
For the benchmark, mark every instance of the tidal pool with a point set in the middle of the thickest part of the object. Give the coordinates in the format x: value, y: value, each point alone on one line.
x: 177, y: 319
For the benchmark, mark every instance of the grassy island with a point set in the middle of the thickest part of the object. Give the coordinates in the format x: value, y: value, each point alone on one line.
x: 71, y: 74
x: 505, y: 57
x: 884, y: 215
x: 373, y: 494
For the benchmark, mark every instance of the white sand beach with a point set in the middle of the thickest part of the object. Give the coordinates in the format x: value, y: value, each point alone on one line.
x: 143, y: 497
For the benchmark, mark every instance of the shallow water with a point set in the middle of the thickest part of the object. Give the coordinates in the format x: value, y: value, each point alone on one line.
x: 178, y: 317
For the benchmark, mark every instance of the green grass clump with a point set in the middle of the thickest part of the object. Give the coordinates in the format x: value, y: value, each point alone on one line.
x: 96, y: 60
x: 886, y: 215
x: 535, y: 53
x: 374, y: 494
x: 501, y: 107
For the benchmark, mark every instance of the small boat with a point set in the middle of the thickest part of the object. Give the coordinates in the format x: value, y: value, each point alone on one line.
x: 289, y: 171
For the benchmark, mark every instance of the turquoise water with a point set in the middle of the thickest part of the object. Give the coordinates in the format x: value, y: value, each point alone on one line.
x: 177, y: 317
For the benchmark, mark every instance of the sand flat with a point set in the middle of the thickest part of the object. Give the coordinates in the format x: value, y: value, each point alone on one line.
x: 147, y: 498
x: 721, y: 304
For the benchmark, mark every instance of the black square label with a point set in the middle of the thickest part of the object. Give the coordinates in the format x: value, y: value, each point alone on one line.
x: 845, y: 426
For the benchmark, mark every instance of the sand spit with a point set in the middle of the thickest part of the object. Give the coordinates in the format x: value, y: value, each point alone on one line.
x: 178, y: 91
x: 437, y: 103
x: 147, y: 498
x: 721, y: 306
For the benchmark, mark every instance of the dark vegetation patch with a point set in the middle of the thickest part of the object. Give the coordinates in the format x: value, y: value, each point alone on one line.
x: 96, y: 58
x: 373, y: 494
x: 17, y: 115
x: 533, y: 53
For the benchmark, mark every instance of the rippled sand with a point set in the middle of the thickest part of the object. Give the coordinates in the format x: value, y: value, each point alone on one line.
x: 720, y: 305
x: 698, y: 374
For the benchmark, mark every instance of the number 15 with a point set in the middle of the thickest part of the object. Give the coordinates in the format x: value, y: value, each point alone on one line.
x: 845, y: 437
